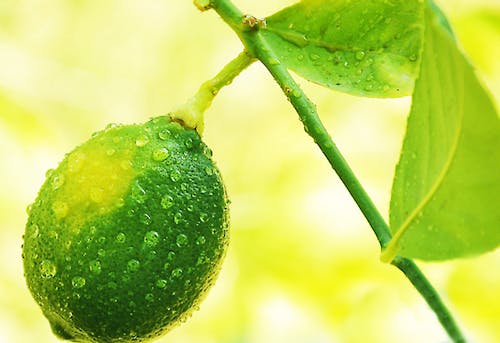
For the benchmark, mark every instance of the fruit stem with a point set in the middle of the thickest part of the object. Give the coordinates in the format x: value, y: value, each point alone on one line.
x: 192, y: 112
x: 257, y: 45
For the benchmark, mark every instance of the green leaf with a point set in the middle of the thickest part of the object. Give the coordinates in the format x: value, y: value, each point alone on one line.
x: 446, y: 192
x: 365, y: 47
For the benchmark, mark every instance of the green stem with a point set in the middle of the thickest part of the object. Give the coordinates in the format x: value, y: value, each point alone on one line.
x: 258, y: 46
x: 191, y: 113
x: 431, y: 296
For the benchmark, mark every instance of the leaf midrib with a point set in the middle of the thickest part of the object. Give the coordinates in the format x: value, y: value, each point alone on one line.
x: 325, y: 44
x: 393, y: 245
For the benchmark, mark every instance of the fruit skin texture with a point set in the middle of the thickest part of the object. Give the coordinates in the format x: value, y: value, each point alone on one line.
x: 127, y: 235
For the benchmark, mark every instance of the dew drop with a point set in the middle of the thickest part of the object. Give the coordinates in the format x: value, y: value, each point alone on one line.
x: 146, y: 219
x: 314, y: 57
x: 163, y: 134
x: 78, y: 282
x: 60, y: 209
x: 151, y: 238
x: 413, y: 58
x: 133, y: 265
x: 95, y: 267
x: 151, y: 255
x: 125, y: 165
x: 110, y: 152
x: 167, y: 201
x: 360, y: 55
x: 273, y: 61
x: 160, y: 154
x: 300, y: 57
x: 150, y: 297
x: 177, y: 273
x: 57, y: 181
x: 170, y: 256
x: 35, y: 231
x: 110, y: 126
x: 181, y: 240
x: 190, y: 208
x: 101, y: 252
x: 120, y: 202
x: 201, y: 260
x: 189, y: 143
x: 209, y: 170
x: 120, y: 238
x: 177, y: 217
x: 142, y: 140
x: 175, y: 175
x: 207, y: 151
x: 161, y: 283
x: 49, y: 172
x: 96, y: 194
x: 48, y: 269
x: 200, y: 240
x: 204, y: 217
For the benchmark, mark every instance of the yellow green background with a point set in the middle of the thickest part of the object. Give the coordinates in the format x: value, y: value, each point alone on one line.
x: 303, y: 265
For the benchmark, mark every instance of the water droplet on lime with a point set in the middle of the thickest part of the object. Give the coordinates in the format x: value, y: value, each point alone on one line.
x: 181, y: 240
x: 133, y: 265
x: 48, y: 269
x: 204, y: 217
x: 120, y: 238
x: 142, y: 140
x: 175, y: 175
x: 167, y: 201
x: 177, y: 273
x: 160, y: 155
x: 57, y: 181
x: 151, y: 238
x: 60, y: 209
x: 360, y: 55
x: 177, y: 217
x: 164, y: 134
x: 78, y: 282
x: 161, y: 283
x: 146, y: 219
x: 95, y: 266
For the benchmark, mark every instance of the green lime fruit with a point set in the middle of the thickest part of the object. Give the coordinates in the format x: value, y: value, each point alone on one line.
x: 128, y: 234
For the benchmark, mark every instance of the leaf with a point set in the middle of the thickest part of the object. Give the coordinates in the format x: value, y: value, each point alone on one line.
x: 446, y: 191
x: 365, y: 47
x: 441, y: 17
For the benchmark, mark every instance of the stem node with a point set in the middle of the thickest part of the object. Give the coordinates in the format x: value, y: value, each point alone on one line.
x: 203, y: 5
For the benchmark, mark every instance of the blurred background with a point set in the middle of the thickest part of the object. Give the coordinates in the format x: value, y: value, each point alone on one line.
x: 303, y: 265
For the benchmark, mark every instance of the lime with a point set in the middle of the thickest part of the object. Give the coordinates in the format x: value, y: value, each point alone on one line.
x: 128, y: 234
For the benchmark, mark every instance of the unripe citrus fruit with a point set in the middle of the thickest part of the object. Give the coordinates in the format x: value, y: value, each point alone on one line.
x: 127, y: 234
